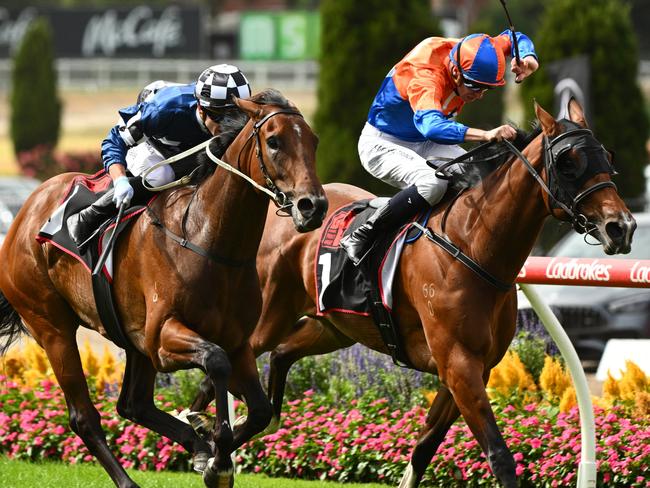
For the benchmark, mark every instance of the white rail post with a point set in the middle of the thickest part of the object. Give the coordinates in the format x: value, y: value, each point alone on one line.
x: 587, y: 467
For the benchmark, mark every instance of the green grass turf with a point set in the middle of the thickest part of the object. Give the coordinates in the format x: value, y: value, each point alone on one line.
x: 22, y: 474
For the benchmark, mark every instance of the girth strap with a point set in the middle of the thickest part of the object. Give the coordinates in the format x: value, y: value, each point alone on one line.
x: 235, y: 263
x: 456, y: 253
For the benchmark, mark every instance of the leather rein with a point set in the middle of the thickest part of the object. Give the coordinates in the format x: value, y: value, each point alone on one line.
x: 552, y: 152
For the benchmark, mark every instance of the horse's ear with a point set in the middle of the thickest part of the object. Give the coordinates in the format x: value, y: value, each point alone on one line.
x: 547, y: 121
x: 576, y: 113
x: 252, y: 109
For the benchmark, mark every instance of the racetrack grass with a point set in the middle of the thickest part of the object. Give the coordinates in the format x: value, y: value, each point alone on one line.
x: 23, y: 474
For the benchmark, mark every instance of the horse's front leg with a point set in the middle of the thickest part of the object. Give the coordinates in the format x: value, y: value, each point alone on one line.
x: 465, y: 374
x: 442, y: 414
x: 182, y: 347
x: 246, y: 383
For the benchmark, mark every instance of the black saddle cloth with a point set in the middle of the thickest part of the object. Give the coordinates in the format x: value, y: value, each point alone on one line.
x: 343, y: 287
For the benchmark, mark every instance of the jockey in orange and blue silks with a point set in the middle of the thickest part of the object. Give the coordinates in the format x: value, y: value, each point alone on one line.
x: 411, y: 121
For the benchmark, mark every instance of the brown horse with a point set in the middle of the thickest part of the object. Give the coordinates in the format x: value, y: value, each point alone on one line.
x: 180, y: 309
x: 452, y: 322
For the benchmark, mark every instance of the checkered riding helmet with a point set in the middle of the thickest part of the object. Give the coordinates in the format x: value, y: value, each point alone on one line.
x: 479, y: 60
x: 218, y: 83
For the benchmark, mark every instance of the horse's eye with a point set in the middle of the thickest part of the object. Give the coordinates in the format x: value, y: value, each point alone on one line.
x: 566, y: 166
x: 272, y: 143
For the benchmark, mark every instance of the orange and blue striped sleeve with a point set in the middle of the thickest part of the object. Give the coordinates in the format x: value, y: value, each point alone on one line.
x: 426, y: 96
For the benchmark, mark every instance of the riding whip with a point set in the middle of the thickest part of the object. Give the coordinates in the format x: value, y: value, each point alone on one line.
x: 514, y: 34
x: 111, y: 241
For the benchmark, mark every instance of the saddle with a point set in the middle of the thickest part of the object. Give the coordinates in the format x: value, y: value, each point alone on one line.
x: 82, y: 192
x: 366, y: 289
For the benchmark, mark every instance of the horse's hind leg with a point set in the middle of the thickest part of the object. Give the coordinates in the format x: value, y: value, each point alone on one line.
x: 204, y: 396
x: 62, y: 351
x: 181, y: 347
x: 442, y: 414
x: 136, y: 404
x: 309, y: 338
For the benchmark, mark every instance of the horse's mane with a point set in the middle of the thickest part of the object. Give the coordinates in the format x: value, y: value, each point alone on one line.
x: 488, y: 160
x: 231, y: 126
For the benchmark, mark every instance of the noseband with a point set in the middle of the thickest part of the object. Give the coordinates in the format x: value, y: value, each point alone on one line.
x: 280, y: 198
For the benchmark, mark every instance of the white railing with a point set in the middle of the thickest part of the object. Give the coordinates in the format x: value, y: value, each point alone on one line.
x: 94, y: 73
x: 631, y: 273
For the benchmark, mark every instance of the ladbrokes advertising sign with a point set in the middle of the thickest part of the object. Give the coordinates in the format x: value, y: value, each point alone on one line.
x: 140, y: 31
x: 630, y: 273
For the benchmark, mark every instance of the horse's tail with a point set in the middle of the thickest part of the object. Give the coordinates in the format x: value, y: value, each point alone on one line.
x: 11, y: 325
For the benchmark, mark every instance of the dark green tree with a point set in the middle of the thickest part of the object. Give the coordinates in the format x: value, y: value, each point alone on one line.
x: 360, y: 42
x: 600, y: 29
x: 35, y: 105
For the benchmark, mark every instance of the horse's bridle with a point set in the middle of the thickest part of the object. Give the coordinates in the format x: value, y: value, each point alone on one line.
x: 565, y: 187
x: 579, y: 139
x: 280, y: 198
x: 567, y: 197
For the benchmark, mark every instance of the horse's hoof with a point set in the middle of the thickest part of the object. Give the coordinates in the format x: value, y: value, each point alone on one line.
x: 218, y: 479
x: 200, y: 461
x: 408, y: 480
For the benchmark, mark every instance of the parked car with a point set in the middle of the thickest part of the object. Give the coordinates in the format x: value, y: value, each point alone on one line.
x: 14, y: 190
x: 592, y: 315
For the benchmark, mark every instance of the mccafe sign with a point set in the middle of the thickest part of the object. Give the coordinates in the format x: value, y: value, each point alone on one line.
x: 140, y: 31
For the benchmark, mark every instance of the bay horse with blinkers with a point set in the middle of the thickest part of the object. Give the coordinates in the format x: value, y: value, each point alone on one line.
x: 452, y: 322
x: 180, y: 309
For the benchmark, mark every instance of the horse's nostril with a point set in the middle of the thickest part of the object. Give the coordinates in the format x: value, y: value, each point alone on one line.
x: 306, y: 207
x: 614, y: 231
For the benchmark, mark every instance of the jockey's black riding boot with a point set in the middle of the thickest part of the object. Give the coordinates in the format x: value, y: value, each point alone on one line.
x: 397, y: 211
x: 81, y: 225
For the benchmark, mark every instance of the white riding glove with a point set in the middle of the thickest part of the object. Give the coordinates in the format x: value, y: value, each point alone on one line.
x: 123, y: 191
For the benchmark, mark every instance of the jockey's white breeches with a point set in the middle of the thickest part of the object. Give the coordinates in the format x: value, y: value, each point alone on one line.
x: 142, y: 157
x: 403, y: 163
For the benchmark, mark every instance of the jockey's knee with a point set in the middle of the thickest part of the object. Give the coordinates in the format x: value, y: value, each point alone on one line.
x: 432, y: 189
x: 160, y: 176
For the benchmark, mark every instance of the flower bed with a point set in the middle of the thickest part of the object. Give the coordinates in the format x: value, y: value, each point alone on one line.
x: 369, y: 441
x: 332, y: 435
x: 34, y: 426
x: 372, y: 442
